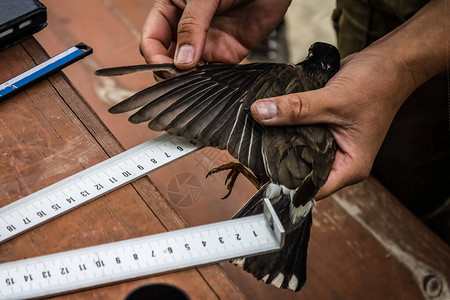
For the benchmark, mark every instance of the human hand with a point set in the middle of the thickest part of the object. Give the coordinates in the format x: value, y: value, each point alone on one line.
x: 358, y: 103
x: 188, y: 32
x: 361, y: 100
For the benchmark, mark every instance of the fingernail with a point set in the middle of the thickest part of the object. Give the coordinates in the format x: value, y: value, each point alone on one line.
x: 185, y: 54
x: 266, y: 109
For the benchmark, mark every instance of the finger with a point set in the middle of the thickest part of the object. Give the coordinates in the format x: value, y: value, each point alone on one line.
x: 156, y: 44
x: 345, y: 171
x: 332, y: 185
x: 294, y: 109
x: 192, y: 28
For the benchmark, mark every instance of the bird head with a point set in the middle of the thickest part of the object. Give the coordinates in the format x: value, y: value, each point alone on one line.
x: 322, y: 57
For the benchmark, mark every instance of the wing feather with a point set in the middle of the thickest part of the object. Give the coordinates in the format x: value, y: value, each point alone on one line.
x: 184, y: 103
x: 196, y: 127
x: 185, y: 117
x: 211, y: 103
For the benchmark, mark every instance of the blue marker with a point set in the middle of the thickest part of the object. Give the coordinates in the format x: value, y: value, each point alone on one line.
x: 43, y: 70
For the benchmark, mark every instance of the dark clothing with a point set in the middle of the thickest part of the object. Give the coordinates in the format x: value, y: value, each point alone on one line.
x: 358, y: 23
x: 414, y: 160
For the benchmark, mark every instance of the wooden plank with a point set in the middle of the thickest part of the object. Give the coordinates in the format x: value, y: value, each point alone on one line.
x: 49, y: 133
x: 405, y: 240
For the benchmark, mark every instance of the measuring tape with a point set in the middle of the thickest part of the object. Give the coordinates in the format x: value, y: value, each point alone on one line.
x: 129, y: 259
x: 85, y: 186
x: 139, y: 257
x: 43, y: 70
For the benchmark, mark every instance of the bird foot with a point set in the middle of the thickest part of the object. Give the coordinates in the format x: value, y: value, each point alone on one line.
x: 235, y: 170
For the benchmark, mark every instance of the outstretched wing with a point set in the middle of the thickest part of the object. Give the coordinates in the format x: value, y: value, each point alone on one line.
x: 212, y: 104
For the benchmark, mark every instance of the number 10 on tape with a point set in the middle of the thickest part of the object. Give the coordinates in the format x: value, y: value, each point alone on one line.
x: 130, y: 259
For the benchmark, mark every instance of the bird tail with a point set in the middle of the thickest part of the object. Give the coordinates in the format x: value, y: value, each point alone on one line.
x: 286, y: 268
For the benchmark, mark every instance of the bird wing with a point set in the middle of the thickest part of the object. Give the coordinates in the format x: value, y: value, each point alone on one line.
x: 212, y: 104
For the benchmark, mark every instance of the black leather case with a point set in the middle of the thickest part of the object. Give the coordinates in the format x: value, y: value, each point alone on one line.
x: 20, y: 19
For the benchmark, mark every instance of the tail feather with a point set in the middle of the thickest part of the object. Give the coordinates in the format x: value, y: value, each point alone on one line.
x: 301, y: 236
x: 287, y: 267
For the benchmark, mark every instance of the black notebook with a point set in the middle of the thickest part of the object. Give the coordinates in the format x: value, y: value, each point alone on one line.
x: 20, y: 19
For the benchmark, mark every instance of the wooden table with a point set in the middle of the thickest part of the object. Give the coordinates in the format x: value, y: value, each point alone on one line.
x: 364, y: 244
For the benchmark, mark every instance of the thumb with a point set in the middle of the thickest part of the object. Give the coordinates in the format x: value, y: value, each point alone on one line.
x: 293, y: 109
x: 191, y: 33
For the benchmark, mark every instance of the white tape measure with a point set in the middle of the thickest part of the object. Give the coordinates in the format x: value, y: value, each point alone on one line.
x: 74, y: 191
x: 129, y: 259
x: 134, y: 258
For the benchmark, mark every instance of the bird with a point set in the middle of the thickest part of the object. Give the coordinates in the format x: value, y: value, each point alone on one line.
x: 288, y: 164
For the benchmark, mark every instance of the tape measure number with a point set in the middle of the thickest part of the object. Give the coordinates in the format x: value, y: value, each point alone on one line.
x: 134, y: 258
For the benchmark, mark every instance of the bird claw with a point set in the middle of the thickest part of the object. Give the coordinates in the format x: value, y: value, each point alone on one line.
x: 226, y: 196
x: 230, y: 175
x: 235, y: 170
